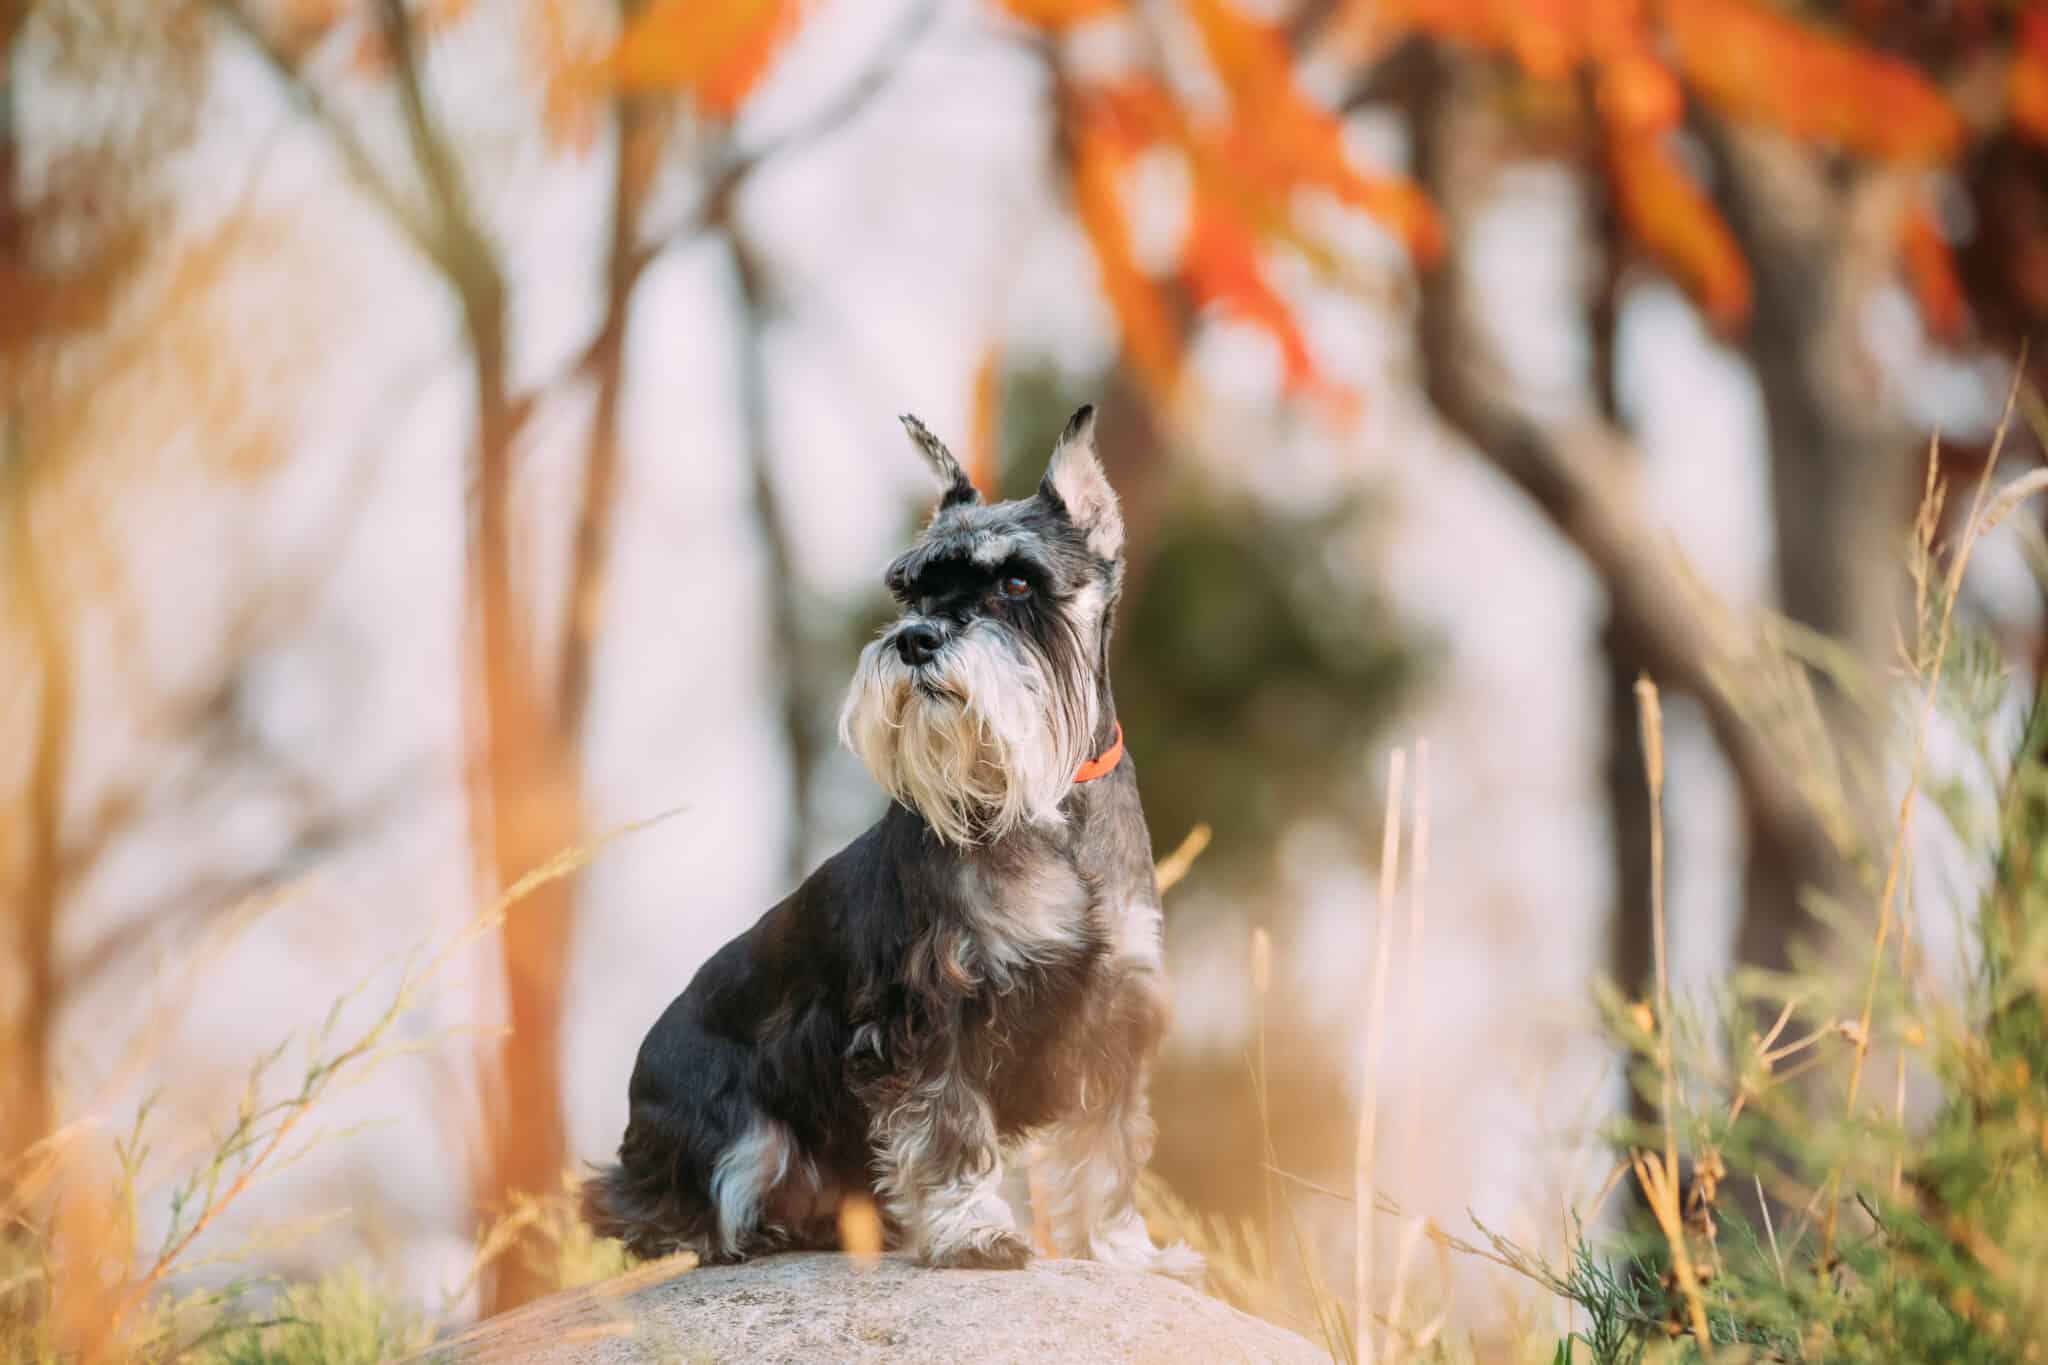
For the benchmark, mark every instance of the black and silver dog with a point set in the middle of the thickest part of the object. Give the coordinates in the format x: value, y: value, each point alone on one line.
x: 980, y: 968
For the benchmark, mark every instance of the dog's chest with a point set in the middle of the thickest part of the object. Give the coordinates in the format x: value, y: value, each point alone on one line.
x: 1028, y: 915
x: 1049, y: 910
x: 1064, y: 1003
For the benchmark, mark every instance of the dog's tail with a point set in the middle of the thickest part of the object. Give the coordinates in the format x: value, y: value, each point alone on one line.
x: 644, y: 1210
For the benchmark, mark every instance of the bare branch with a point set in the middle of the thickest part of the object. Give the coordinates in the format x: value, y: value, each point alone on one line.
x: 284, y: 603
x: 639, y: 134
x: 786, y: 632
x: 354, y: 155
x: 713, y: 205
x: 322, y: 826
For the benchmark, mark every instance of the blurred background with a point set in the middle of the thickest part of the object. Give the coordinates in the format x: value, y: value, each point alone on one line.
x: 435, y: 434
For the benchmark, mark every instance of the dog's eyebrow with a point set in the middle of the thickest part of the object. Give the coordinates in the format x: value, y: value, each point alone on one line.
x: 992, y: 551
x: 1026, y: 565
x: 915, y: 574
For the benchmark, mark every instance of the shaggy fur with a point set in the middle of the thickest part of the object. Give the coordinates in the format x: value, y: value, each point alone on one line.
x: 980, y: 967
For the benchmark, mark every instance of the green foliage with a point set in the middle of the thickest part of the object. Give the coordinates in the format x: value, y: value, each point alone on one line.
x: 340, y: 1320
x: 1622, y: 1305
x: 1266, y: 672
x: 1890, y: 1232
x: 1942, y: 1252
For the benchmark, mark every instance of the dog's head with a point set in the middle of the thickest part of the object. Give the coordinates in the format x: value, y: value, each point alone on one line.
x: 978, y: 704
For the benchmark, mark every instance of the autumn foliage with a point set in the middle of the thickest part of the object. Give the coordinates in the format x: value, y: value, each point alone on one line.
x: 712, y: 54
x: 1253, y: 158
x: 2028, y: 96
x: 1755, y: 64
x: 1247, y: 166
x: 1642, y: 64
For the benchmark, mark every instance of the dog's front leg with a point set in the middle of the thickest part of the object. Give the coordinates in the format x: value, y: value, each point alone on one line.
x: 940, y: 1171
x: 1088, y: 1169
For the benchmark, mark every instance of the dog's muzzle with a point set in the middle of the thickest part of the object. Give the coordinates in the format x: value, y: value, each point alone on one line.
x: 918, y: 643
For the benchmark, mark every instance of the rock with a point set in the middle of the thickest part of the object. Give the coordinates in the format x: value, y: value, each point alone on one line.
x: 820, y: 1309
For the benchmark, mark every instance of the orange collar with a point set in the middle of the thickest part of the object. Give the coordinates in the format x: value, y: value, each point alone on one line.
x: 1104, y: 761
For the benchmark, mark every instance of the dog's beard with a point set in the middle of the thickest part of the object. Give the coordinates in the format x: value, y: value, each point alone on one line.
x: 984, y: 739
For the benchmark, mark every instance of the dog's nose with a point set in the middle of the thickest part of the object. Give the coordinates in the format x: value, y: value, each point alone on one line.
x: 917, y: 642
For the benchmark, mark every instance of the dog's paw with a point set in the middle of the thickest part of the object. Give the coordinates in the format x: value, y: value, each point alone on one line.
x: 998, y: 1249
x: 1182, y: 1262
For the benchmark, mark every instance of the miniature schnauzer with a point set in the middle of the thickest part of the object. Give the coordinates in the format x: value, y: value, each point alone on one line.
x: 980, y: 968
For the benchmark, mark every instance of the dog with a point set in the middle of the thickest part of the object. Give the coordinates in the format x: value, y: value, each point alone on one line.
x: 980, y: 969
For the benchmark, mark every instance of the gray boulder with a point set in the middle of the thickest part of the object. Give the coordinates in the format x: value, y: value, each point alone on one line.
x: 824, y: 1309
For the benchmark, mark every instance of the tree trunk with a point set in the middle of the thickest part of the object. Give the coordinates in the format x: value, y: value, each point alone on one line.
x: 526, y: 812
x: 788, y: 656
x: 1818, y: 239
x: 31, y: 863
x: 524, y: 806
x: 1575, y: 474
x: 1630, y: 943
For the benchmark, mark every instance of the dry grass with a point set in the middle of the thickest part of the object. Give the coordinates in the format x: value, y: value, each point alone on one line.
x: 1365, y: 1171
x: 75, y: 1285
x: 1943, y: 1253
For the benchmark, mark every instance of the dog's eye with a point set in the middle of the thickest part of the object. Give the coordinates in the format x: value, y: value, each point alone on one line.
x: 1014, y: 588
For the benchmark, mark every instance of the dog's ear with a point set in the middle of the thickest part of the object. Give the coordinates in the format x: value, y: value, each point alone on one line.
x: 959, y: 488
x: 1075, y: 484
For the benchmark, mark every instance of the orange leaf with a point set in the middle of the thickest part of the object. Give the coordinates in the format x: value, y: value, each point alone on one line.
x: 2028, y: 93
x: 373, y: 52
x: 1058, y: 15
x: 1634, y: 89
x: 1251, y: 58
x: 1406, y: 211
x: 1151, y: 340
x: 1551, y: 39
x: 1931, y: 272
x: 1759, y: 65
x: 1673, y: 220
x: 1221, y: 267
x: 1638, y: 93
x: 1616, y: 28
x: 1547, y: 37
x: 569, y: 48
x: 1278, y: 139
x: 1129, y: 116
x: 372, y: 55
x: 715, y: 51
x: 1362, y: 33
x: 302, y: 23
